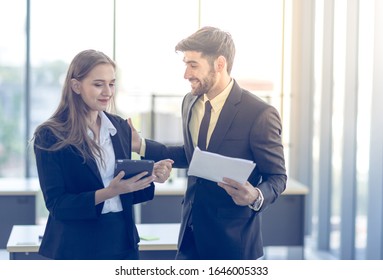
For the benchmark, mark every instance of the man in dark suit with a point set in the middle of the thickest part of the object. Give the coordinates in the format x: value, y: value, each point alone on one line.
x: 222, y: 220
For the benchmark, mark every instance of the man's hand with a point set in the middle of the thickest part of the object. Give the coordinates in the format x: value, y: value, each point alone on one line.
x: 241, y: 194
x: 162, y: 170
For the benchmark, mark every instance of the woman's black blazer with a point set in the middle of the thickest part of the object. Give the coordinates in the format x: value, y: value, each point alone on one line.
x: 68, y: 185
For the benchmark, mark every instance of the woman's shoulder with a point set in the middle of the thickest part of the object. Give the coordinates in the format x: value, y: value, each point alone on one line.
x: 44, y: 136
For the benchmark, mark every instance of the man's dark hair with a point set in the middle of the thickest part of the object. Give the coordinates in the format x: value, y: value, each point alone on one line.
x: 211, y: 42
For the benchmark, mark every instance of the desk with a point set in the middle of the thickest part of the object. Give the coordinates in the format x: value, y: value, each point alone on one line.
x: 282, y: 224
x: 17, y: 204
x: 166, y: 205
x: 165, y: 248
x: 24, y: 241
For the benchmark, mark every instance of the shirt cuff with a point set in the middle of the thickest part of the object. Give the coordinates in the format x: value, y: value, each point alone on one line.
x: 257, y: 205
x: 262, y: 198
x: 143, y: 147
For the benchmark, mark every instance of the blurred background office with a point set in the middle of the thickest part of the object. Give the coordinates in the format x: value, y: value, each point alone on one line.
x: 319, y: 62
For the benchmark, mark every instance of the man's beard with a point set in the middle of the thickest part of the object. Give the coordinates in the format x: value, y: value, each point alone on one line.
x: 206, y: 84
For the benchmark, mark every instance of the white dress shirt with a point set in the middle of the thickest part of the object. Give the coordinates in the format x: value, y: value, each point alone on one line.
x: 107, y: 169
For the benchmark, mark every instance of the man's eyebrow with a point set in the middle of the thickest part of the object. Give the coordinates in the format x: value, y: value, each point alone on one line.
x: 190, y: 61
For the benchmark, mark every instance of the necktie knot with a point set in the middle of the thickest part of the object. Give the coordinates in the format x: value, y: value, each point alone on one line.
x: 207, y: 107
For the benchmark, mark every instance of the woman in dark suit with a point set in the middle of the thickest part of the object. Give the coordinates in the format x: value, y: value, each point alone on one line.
x: 90, y: 210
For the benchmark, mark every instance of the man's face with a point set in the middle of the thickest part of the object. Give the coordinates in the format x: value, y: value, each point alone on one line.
x: 199, y: 72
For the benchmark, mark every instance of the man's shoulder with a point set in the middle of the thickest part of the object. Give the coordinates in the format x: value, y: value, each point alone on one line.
x: 246, y: 97
x: 189, y: 97
x: 251, y: 99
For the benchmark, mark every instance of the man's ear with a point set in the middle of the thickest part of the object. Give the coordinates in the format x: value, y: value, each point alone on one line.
x: 75, y: 85
x: 220, y: 63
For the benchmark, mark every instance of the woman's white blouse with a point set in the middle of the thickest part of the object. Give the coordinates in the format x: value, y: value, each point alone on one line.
x: 107, y: 169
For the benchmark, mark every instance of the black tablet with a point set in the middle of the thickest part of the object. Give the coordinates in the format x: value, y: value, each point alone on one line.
x: 133, y: 167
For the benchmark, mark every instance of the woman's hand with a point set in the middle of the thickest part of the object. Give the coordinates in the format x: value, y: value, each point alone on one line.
x: 162, y: 170
x: 135, y: 183
x: 121, y: 186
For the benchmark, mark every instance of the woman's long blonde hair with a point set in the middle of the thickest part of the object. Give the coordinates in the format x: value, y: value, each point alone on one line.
x: 68, y: 123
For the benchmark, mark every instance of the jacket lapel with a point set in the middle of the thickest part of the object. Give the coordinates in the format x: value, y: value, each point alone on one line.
x: 187, y: 112
x: 91, y: 163
x: 118, y: 151
x: 117, y: 146
x: 228, y: 113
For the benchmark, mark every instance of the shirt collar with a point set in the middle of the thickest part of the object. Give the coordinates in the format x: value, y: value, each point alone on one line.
x: 218, y: 101
x: 106, y: 127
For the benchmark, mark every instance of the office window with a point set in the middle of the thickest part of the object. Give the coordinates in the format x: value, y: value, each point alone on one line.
x: 330, y: 219
x: 151, y: 83
x: 340, y: 27
x: 258, y: 35
x: 365, y: 74
x: 363, y: 120
x: 260, y: 43
x: 140, y: 36
x: 12, y: 88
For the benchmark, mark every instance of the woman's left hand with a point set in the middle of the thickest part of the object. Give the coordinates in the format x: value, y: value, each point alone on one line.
x: 162, y: 170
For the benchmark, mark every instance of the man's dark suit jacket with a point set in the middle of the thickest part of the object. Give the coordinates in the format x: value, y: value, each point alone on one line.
x: 69, y: 185
x: 247, y: 128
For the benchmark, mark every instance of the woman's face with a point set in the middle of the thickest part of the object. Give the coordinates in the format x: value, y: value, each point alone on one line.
x: 97, y: 88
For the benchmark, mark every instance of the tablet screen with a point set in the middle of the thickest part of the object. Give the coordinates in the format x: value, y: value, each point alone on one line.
x: 133, y: 167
